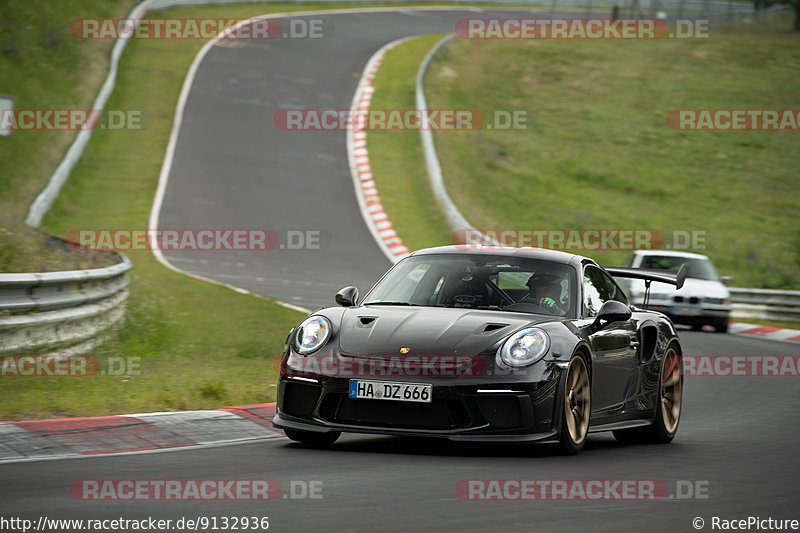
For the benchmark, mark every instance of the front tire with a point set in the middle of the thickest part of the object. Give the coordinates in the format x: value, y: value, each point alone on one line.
x: 309, y: 438
x: 576, y: 407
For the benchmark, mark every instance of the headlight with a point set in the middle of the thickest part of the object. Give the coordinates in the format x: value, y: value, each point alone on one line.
x: 525, y: 347
x: 312, y: 334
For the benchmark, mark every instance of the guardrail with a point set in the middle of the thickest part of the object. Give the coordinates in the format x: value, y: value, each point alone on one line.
x: 67, y: 312
x: 765, y: 304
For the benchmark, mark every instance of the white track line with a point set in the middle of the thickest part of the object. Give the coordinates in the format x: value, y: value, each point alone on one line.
x: 369, y: 202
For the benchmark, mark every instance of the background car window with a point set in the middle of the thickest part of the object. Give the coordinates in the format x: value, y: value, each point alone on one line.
x: 695, y: 268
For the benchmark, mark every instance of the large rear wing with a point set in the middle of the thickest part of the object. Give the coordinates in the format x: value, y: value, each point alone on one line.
x: 650, y: 275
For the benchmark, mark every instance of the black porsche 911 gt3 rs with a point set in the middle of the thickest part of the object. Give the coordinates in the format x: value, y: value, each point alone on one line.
x: 495, y: 344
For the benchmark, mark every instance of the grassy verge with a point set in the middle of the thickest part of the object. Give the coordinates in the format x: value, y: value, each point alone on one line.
x: 43, y: 67
x: 597, y: 152
x: 396, y: 156
x: 184, y: 353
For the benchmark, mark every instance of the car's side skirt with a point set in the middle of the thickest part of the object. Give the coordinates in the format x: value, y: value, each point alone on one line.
x: 620, y: 425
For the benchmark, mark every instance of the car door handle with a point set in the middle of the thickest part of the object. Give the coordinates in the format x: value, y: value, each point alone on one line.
x: 634, y: 345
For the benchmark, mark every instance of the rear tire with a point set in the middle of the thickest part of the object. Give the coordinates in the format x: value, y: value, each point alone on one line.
x: 668, y: 408
x: 721, y: 326
x: 309, y: 438
x: 670, y: 397
x: 576, y: 407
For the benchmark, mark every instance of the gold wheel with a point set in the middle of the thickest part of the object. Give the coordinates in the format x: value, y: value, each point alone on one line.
x: 577, y: 400
x: 671, y: 390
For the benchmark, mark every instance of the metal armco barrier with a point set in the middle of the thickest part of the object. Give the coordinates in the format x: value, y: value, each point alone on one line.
x: 63, y: 312
x: 766, y: 304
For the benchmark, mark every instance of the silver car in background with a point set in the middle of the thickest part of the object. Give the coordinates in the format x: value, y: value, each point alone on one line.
x: 703, y: 299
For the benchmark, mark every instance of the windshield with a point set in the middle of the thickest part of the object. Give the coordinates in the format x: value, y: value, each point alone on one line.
x: 695, y: 268
x: 479, y: 282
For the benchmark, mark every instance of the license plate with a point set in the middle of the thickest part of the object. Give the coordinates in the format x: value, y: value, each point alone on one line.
x: 389, y: 390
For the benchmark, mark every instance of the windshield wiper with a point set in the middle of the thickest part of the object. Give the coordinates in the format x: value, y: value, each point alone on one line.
x: 388, y: 303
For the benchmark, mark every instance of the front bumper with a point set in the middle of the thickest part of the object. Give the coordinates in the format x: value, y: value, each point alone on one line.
x: 473, y: 411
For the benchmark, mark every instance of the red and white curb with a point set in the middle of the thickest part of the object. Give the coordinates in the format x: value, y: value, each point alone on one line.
x: 366, y: 191
x: 765, y: 332
x: 36, y: 440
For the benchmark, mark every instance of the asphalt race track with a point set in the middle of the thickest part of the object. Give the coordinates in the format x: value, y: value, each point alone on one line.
x: 737, y: 438
x: 234, y: 169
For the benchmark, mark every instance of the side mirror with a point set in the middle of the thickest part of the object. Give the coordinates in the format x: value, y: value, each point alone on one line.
x: 347, y: 297
x: 726, y: 280
x: 613, y: 311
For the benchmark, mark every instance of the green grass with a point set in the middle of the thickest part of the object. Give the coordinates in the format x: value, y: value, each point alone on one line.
x: 598, y: 153
x: 191, y: 356
x: 43, y: 67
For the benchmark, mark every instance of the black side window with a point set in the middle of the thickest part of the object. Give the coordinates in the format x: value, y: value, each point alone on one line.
x: 614, y: 291
x: 595, y: 291
x: 598, y: 288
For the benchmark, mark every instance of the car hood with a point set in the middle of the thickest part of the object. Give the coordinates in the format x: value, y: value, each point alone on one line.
x: 380, y: 330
